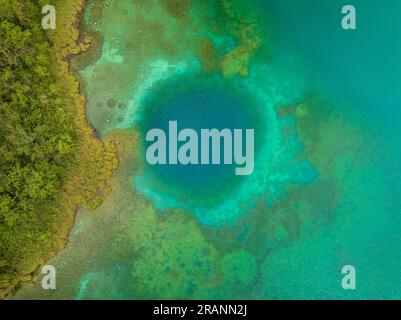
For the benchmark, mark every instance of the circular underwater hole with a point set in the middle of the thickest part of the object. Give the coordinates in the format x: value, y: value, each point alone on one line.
x: 197, y: 104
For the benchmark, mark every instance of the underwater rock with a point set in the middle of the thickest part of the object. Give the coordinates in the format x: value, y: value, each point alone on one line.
x: 111, y: 103
x: 122, y: 105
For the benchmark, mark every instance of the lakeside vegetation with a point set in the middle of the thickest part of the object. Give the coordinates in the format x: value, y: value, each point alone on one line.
x: 50, y: 159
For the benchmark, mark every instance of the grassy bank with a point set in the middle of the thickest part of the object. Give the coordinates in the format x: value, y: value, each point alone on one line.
x: 50, y: 159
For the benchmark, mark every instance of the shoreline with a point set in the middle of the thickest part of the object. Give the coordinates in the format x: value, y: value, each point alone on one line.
x: 76, y: 191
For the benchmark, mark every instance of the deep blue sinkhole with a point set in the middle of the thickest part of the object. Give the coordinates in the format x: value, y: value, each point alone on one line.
x: 201, y: 106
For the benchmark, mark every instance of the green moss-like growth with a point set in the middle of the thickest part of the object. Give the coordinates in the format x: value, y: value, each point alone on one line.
x: 50, y: 160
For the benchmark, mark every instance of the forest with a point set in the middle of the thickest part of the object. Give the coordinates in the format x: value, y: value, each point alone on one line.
x: 43, y: 135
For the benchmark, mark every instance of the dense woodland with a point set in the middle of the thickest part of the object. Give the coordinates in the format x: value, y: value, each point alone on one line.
x: 50, y: 160
x: 36, y: 135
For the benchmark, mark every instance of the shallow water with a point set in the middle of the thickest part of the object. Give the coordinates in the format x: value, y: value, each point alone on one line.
x: 325, y: 105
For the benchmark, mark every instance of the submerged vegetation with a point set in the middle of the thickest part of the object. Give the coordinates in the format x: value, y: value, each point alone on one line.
x: 50, y: 160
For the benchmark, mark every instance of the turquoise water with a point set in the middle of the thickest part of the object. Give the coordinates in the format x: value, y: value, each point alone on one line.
x: 361, y: 66
x: 325, y: 105
x: 219, y: 196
